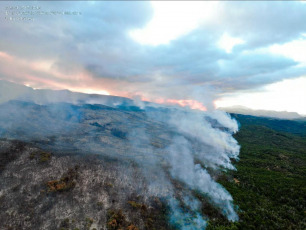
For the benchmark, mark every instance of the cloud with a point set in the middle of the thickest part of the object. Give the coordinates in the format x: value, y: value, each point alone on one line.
x: 262, y: 23
x: 95, y: 50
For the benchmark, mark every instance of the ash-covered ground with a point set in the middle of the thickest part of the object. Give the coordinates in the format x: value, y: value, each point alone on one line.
x: 90, y: 166
x: 40, y: 190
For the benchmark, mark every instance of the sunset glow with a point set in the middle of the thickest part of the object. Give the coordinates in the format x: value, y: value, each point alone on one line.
x: 91, y: 91
x: 192, y: 104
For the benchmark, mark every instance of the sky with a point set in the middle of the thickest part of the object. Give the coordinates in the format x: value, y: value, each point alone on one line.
x: 198, y: 54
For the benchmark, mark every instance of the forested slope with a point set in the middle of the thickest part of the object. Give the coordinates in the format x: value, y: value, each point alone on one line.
x: 269, y: 185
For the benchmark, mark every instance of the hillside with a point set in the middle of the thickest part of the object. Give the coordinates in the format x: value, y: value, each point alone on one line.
x: 262, y: 113
x: 42, y: 190
x: 121, y: 167
x: 297, y: 127
x: 88, y: 166
x: 269, y: 185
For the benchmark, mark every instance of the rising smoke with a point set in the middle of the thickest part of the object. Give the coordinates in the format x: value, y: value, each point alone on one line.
x: 170, y: 145
x: 204, y: 140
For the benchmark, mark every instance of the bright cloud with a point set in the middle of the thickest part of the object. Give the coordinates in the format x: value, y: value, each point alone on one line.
x: 227, y: 42
x: 173, y: 19
x: 295, y: 49
x: 287, y: 95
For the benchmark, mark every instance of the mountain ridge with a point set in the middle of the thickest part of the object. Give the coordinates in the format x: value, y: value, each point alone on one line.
x: 262, y: 113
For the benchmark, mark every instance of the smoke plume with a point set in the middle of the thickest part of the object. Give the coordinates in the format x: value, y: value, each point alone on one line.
x: 179, y: 150
x: 204, y: 140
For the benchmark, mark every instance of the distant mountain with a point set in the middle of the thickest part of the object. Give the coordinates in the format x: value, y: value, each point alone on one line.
x: 296, y: 127
x: 262, y: 113
x: 11, y: 91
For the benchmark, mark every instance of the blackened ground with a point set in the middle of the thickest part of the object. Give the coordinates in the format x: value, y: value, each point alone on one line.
x: 41, y: 190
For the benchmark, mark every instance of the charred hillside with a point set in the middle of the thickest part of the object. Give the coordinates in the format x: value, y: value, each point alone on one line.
x: 86, y: 166
x: 40, y: 190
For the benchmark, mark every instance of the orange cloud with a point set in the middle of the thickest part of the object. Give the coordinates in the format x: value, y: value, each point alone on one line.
x: 41, y: 74
x: 193, y: 104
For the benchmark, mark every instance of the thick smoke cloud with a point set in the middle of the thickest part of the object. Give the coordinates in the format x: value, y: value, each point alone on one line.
x: 217, y: 147
x: 201, y: 141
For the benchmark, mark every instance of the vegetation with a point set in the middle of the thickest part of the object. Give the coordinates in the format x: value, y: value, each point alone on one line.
x: 117, y: 220
x: 88, y: 222
x: 65, y: 183
x: 64, y: 224
x: 269, y: 186
x: 154, y: 217
x: 297, y: 127
x: 40, y: 156
x: 136, y: 205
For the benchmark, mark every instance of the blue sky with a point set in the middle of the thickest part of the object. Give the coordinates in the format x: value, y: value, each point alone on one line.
x: 191, y: 53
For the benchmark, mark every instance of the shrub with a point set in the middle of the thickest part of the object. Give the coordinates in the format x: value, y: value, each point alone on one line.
x: 40, y: 156
x: 67, y: 182
x: 116, y: 220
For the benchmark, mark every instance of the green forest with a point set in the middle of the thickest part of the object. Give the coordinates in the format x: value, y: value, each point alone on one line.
x: 269, y: 186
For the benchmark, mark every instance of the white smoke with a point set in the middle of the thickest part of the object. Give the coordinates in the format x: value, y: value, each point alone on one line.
x: 191, y: 144
x: 218, y: 145
x: 214, y: 148
x: 184, y: 220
